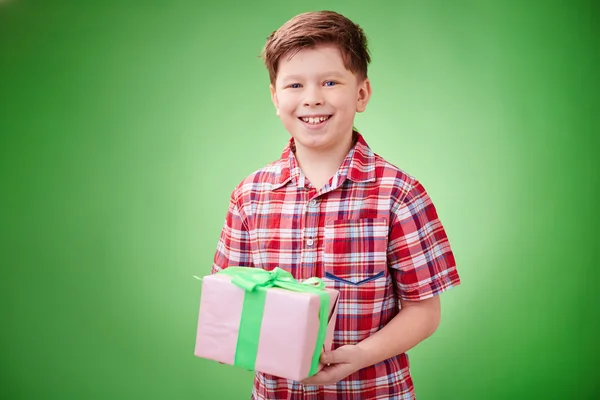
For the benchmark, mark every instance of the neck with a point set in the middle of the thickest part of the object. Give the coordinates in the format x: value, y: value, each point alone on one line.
x: 320, y: 166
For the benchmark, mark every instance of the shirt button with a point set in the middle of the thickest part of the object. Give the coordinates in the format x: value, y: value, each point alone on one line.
x: 312, y: 203
x: 310, y: 242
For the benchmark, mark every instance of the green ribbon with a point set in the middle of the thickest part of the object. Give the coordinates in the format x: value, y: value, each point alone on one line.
x: 255, y: 282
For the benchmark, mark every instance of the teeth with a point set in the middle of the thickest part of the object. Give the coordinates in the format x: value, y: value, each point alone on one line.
x: 314, y: 120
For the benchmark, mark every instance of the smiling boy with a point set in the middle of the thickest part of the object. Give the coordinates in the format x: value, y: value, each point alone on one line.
x: 331, y: 208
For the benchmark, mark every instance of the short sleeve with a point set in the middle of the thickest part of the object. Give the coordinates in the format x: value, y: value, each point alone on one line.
x: 233, y: 248
x: 419, y: 253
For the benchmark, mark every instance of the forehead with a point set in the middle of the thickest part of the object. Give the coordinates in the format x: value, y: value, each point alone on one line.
x: 325, y: 58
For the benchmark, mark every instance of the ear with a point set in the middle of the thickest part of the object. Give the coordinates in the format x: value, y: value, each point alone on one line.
x: 363, y: 95
x: 274, y: 98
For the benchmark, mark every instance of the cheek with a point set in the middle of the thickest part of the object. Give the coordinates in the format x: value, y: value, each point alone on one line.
x: 343, y: 101
x: 286, y: 102
x: 287, y: 110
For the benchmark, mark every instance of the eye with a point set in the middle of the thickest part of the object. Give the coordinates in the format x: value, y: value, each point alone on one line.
x: 330, y: 83
x: 294, y: 85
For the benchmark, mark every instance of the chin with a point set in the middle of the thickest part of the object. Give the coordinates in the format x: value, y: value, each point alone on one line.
x: 309, y: 140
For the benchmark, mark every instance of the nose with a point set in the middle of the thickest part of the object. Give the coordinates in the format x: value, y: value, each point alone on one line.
x: 313, y: 97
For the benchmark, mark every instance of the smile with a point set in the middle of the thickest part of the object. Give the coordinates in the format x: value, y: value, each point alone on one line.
x: 315, y: 120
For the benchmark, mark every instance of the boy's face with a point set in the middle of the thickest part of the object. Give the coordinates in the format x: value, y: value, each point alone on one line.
x: 316, y: 98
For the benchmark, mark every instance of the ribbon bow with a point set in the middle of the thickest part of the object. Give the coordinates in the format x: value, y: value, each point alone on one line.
x: 249, y: 278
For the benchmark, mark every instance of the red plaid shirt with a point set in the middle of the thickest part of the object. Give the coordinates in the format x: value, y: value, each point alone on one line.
x: 372, y: 233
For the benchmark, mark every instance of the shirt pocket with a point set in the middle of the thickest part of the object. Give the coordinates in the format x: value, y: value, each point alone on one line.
x: 355, y: 251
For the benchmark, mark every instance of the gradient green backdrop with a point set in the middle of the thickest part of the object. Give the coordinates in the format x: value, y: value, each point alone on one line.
x: 125, y: 125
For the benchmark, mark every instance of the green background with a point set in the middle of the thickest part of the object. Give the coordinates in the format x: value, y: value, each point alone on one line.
x: 125, y: 125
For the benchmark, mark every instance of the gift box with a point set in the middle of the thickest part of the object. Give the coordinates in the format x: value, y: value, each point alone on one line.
x: 266, y: 321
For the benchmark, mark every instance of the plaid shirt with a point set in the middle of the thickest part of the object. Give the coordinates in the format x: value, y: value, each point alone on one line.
x: 372, y: 233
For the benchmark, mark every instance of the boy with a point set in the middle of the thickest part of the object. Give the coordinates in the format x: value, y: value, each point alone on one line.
x: 333, y: 209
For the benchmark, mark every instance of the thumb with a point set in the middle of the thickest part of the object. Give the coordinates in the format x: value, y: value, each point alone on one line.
x: 337, y: 356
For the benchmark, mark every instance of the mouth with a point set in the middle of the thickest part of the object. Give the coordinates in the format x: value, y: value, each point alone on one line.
x: 315, y: 120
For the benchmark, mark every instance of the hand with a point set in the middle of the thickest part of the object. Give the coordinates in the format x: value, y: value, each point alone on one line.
x: 339, y: 363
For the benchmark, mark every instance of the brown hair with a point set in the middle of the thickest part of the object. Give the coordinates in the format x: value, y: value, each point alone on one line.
x: 310, y: 29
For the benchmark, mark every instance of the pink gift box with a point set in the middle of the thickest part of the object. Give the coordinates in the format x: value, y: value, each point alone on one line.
x: 288, y: 332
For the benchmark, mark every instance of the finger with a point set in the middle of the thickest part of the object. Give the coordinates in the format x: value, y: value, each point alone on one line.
x: 316, y: 379
x: 337, y: 356
x: 327, y: 376
x: 316, y: 382
x: 324, y: 375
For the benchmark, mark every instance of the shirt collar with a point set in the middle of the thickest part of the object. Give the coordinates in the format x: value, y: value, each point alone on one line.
x: 358, y: 166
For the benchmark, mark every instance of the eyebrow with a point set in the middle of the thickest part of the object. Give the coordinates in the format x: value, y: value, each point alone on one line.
x: 334, y: 74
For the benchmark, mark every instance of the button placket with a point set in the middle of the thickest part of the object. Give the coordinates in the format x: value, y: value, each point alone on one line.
x: 312, y: 216
x: 310, y: 237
